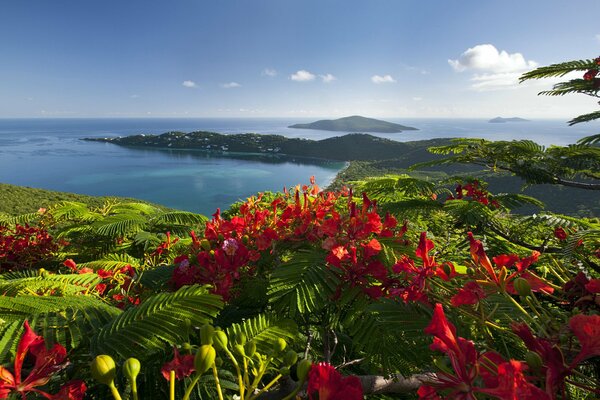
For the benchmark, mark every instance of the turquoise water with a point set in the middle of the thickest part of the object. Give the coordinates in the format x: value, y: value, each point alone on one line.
x: 47, y: 153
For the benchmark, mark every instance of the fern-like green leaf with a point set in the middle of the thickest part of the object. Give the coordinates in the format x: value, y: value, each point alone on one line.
x: 304, y: 284
x: 158, y: 321
x: 264, y: 330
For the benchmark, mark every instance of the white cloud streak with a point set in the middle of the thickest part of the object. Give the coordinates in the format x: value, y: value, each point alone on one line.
x: 378, y: 79
x: 302, y: 76
x: 189, y: 84
x: 269, y: 72
x: 328, y: 78
x: 230, y: 85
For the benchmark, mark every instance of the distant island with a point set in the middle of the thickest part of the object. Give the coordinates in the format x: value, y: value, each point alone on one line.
x: 500, y: 120
x: 356, y: 146
x: 355, y: 123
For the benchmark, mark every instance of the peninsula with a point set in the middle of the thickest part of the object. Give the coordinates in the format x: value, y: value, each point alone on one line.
x: 356, y: 146
x: 500, y: 120
x: 355, y: 123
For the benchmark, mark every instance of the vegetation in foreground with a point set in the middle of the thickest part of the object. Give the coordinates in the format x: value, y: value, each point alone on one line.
x: 407, y: 290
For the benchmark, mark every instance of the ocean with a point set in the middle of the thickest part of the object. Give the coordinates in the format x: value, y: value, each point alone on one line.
x: 47, y: 154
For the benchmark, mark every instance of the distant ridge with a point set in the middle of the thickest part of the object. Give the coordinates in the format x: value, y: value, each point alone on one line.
x: 355, y: 123
x: 500, y: 120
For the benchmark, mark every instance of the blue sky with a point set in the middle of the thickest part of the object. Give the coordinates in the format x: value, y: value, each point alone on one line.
x: 283, y: 58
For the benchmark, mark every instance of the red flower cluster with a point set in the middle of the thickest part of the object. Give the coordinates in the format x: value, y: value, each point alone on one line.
x: 115, y: 285
x: 183, y: 365
x: 501, y: 379
x: 232, y: 247
x: 328, y: 383
x: 23, y: 246
x: 46, y: 363
x: 582, y: 292
x: 497, y: 278
x: 473, y: 191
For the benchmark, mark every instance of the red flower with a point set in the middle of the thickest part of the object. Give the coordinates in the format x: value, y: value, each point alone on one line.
x: 182, y: 365
x: 329, y: 384
x: 560, y: 233
x: 552, y: 358
x: 471, y: 293
x: 426, y: 392
x: 593, y: 286
x: 590, y: 74
x: 587, y: 330
x: 512, y: 384
x: 47, y: 362
x: 70, y: 264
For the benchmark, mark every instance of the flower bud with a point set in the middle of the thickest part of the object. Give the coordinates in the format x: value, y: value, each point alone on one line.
x: 284, y: 371
x: 218, y: 361
x: 240, y: 338
x: 280, y: 345
x: 131, y: 368
x: 302, y: 369
x: 250, y: 348
x: 522, y: 287
x: 104, y: 369
x: 187, y: 347
x: 245, y: 239
x: 239, y: 349
x: 205, y: 358
x: 534, y: 361
x: 220, y: 339
x: 290, y: 358
x: 206, y: 334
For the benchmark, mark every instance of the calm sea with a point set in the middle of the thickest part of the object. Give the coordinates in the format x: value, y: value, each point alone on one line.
x: 47, y: 153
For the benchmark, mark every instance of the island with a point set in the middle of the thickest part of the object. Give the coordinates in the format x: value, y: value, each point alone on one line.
x: 356, y: 146
x: 355, y: 123
x: 500, y: 120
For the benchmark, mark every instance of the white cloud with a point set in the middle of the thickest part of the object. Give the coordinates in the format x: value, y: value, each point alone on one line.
x: 494, y: 69
x: 230, y: 85
x: 382, y: 79
x: 189, y: 84
x: 328, y: 78
x: 269, y: 72
x: 417, y: 98
x: 485, y: 57
x: 302, y: 76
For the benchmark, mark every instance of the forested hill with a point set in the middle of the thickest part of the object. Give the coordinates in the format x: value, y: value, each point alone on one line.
x: 354, y: 146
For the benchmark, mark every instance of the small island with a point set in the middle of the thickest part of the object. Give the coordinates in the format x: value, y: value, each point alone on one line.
x: 500, y: 120
x: 355, y: 123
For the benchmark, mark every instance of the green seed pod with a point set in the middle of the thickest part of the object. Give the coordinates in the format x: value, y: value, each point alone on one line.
x: 239, y: 349
x: 131, y: 369
x: 240, y: 338
x: 290, y: 358
x: 187, y: 347
x: 205, y: 358
x: 205, y: 244
x: 302, y: 369
x: 104, y: 369
x: 522, y: 287
x: 206, y: 334
x: 220, y: 339
x: 250, y: 348
x: 284, y: 371
x: 280, y: 345
x: 534, y: 361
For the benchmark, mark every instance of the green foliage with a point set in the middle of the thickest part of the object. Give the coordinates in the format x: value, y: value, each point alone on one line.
x: 264, y: 330
x: 142, y: 331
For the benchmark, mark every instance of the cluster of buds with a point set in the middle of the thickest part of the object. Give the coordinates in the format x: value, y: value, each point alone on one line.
x: 104, y: 370
x: 590, y: 75
x: 250, y: 365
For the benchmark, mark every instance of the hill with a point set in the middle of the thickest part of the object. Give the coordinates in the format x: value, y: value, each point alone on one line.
x: 355, y: 146
x: 354, y: 123
x: 500, y: 120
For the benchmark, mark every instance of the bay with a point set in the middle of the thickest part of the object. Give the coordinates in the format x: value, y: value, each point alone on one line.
x: 47, y: 153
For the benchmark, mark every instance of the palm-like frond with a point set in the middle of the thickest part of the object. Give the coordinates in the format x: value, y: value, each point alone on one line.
x: 112, y: 262
x: 560, y: 69
x: 146, y: 329
x: 264, y: 330
x: 63, y: 284
x: 303, y: 284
